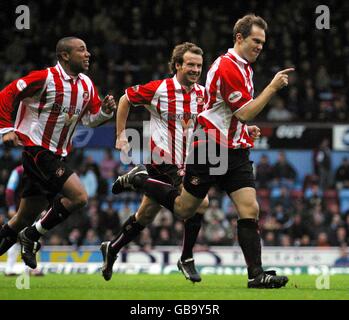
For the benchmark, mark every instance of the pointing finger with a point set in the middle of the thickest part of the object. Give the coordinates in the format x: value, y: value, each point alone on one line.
x: 287, y: 70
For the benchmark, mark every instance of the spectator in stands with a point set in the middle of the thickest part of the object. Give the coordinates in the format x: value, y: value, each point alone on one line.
x: 91, y: 238
x: 108, y: 165
x: 177, y: 233
x: 125, y: 212
x: 284, y: 173
x: 164, y: 237
x: 293, y: 101
x: 281, y: 216
x: 56, y: 240
x: 278, y: 111
x: 309, y: 99
x: 215, y: 233
x: 281, y: 196
x: 271, y: 224
x: 214, y: 212
x: 343, y: 260
x: 313, y: 196
x: 285, y: 240
x: 322, y: 164
x: 298, y: 229
x: 7, y: 160
x: 145, y: 240
x: 75, y: 238
x: 4, y: 176
x: 264, y: 172
x: 109, y: 219
x: 269, y: 239
x: 342, y: 174
x: 89, y: 180
x: 232, y: 230
x: 319, y: 221
x: 305, y: 241
x: 340, y: 108
x: 322, y: 240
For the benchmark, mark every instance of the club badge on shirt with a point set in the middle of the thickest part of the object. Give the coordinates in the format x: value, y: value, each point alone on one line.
x: 200, y: 100
x: 85, y: 96
x: 195, y: 180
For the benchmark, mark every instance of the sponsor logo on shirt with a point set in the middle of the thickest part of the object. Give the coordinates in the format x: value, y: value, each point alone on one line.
x: 186, y: 116
x: 21, y: 85
x: 56, y: 108
x: 234, y: 96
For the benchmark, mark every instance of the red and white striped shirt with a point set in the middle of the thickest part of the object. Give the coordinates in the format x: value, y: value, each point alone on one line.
x: 229, y: 87
x: 51, y: 103
x: 173, y: 115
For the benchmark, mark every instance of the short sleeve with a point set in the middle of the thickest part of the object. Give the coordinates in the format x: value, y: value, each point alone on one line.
x: 233, y: 88
x: 142, y: 94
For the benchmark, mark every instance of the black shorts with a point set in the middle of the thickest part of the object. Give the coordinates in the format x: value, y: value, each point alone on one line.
x: 44, y: 172
x: 238, y: 173
x: 167, y: 173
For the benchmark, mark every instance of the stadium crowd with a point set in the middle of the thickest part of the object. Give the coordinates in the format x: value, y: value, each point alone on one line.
x: 131, y: 40
x: 293, y: 211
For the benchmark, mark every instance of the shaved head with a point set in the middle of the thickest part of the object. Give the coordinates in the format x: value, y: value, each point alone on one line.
x: 72, y: 54
x: 64, y: 45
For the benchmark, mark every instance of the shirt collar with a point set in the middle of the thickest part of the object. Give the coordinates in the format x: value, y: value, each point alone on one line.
x: 65, y: 75
x: 233, y: 53
x: 178, y: 86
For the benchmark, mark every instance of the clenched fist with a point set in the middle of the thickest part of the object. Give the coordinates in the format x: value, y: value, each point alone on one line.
x: 10, y: 139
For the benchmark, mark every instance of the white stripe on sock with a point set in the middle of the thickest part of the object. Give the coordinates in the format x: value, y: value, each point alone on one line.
x: 39, y: 227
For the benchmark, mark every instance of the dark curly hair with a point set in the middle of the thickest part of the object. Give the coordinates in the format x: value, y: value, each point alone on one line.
x: 178, y: 53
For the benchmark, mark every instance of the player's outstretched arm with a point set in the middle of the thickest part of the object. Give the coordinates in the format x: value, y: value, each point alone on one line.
x: 253, y: 108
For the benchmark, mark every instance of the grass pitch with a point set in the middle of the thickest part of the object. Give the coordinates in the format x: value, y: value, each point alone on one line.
x: 167, y: 287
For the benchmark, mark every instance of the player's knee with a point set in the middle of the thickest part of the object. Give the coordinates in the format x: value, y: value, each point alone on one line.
x: 253, y: 209
x: 249, y: 209
x: 203, y: 206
